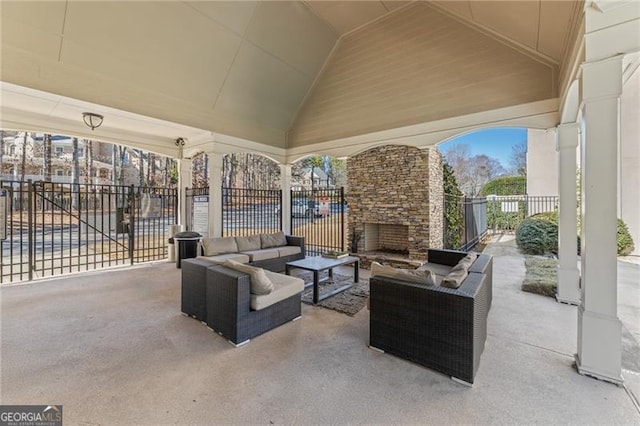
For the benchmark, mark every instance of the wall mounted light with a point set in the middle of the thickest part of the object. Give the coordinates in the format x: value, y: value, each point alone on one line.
x: 92, y: 120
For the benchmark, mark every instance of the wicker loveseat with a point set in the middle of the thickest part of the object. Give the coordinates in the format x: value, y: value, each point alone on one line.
x: 435, y: 326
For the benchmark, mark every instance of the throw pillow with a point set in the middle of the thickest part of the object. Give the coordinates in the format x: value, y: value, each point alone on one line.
x: 468, y: 260
x: 457, y: 274
x: 424, y: 276
x: 248, y: 243
x: 277, y: 239
x: 260, y: 283
x: 215, y: 246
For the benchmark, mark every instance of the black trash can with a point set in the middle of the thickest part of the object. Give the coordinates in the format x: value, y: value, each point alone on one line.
x: 187, y: 245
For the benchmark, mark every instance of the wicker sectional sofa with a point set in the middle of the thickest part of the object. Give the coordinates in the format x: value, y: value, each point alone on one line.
x: 268, y: 251
x: 214, y: 293
x: 435, y: 326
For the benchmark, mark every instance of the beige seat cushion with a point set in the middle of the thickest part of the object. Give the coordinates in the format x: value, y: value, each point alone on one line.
x: 276, y: 239
x: 260, y: 283
x: 289, y: 250
x: 424, y: 276
x: 263, y: 254
x: 250, y: 242
x: 436, y: 268
x: 221, y: 245
x: 220, y: 258
x: 284, y: 286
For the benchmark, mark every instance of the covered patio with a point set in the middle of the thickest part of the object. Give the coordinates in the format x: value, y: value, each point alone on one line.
x: 118, y: 351
x: 293, y: 79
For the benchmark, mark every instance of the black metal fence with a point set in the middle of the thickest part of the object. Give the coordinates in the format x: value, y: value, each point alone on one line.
x: 506, y: 212
x: 251, y: 211
x: 244, y: 211
x: 465, y: 221
x: 52, y: 229
x: 319, y: 216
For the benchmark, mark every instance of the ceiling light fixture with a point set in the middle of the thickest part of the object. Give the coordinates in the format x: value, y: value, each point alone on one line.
x: 92, y: 120
x: 180, y: 142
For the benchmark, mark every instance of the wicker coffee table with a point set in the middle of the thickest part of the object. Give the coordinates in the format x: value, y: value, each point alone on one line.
x: 317, y: 264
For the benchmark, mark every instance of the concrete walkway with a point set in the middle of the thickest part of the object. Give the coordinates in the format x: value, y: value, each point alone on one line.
x: 113, y: 348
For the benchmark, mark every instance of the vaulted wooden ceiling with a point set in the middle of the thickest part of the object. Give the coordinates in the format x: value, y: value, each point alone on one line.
x: 240, y: 68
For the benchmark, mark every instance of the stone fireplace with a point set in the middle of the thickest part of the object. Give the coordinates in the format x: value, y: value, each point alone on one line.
x: 380, y: 237
x: 396, y: 202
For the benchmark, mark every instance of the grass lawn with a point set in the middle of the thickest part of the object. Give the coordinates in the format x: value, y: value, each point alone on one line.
x: 541, y: 276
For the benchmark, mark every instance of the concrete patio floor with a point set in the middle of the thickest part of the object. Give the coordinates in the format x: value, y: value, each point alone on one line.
x: 113, y: 348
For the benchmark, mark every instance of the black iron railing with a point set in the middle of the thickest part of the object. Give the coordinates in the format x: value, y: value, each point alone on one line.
x: 506, y: 212
x: 54, y: 229
x: 244, y: 211
x: 251, y: 211
x: 319, y: 216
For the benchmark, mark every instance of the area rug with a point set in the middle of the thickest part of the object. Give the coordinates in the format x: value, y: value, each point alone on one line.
x: 349, y: 302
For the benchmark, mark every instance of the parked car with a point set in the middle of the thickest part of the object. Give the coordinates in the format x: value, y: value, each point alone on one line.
x: 302, y: 208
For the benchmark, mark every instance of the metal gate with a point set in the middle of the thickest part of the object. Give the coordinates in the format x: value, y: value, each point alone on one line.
x: 319, y: 216
x: 54, y: 229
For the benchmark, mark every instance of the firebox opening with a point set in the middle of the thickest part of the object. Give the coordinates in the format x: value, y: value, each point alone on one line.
x: 386, y: 238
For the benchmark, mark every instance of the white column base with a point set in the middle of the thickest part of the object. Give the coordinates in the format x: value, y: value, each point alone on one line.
x: 599, y: 346
x: 568, y: 286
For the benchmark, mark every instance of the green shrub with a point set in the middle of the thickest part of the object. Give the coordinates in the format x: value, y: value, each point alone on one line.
x: 537, y: 236
x: 504, y: 221
x: 624, y: 240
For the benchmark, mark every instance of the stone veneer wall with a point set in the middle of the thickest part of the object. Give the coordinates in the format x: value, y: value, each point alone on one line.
x: 398, y: 185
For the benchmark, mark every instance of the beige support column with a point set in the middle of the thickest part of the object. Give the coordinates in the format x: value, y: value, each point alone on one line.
x: 568, y: 274
x: 285, y: 184
x: 215, y: 194
x: 599, y: 329
x: 184, y: 181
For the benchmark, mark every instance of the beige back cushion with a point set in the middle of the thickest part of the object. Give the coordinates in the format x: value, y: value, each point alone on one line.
x: 424, y: 276
x: 457, y: 274
x: 277, y: 239
x: 214, y: 246
x: 260, y: 283
x: 251, y: 242
x: 468, y: 260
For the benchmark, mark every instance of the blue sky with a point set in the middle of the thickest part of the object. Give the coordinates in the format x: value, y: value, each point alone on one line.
x: 495, y: 143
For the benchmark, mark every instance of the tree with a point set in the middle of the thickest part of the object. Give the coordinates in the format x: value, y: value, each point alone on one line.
x: 200, y: 175
x: 140, y: 155
x: 89, y: 160
x: 76, y: 161
x: 122, y: 153
x: 1, y: 152
x: 46, y: 163
x: 453, y: 216
x: 472, y: 172
x: 518, y: 158
x: 23, y: 161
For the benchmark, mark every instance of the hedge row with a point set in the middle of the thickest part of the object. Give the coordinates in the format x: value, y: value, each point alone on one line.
x: 508, y: 185
x: 538, y: 234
